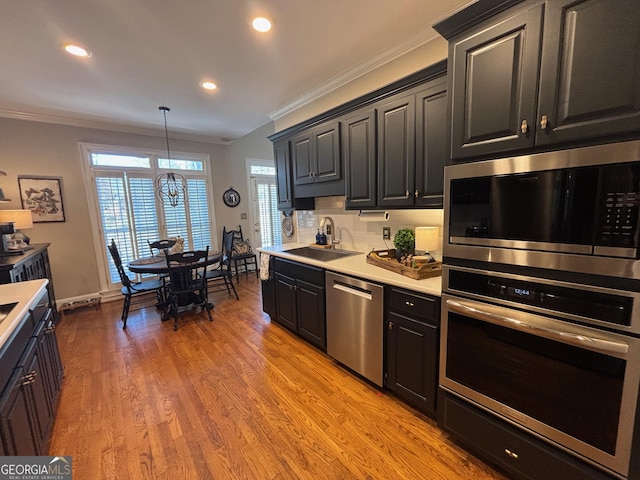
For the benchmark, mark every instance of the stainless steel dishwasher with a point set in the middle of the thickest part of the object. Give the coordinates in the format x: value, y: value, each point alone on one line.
x: 355, y: 324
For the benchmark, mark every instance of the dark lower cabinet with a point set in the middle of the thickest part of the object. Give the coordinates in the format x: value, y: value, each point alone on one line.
x: 269, y: 292
x: 411, y: 347
x: 521, y: 455
x: 300, y: 300
x: 29, y: 397
x: 32, y: 265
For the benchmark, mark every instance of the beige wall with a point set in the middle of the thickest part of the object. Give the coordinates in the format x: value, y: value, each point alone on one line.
x: 253, y: 145
x: 422, y: 57
x: 33, y: 148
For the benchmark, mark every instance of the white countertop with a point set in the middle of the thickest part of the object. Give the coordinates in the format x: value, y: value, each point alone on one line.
x: 357, y: 266
x: 25, y: 293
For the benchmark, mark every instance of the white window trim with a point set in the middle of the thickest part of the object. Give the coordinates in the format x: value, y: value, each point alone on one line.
x: 86, y: 149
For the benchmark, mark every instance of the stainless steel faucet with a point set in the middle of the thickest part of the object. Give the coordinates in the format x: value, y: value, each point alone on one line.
x: 330, y: 228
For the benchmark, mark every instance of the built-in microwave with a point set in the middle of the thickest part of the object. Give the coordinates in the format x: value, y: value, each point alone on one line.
x: 574, y: 210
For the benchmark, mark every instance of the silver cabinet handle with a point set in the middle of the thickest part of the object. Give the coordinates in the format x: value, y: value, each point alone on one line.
x: 536, y: 325
x: 406, y: 194
x: 513, y: 455
x: 543, y: 122
x: 409, y: 304
x: 524, y: 126
x: 416, y: 194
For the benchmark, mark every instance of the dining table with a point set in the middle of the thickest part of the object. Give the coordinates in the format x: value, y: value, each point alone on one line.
x: 157, y: 265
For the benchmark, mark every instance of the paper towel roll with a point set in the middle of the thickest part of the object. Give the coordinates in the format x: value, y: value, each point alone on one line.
x: 370, y: 216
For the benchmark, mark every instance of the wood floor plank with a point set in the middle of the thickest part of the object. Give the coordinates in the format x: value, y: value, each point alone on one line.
x: 237, y: 398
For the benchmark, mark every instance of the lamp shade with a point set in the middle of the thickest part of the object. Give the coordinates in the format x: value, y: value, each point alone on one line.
x: 21, y: 219
x: 427, y: 239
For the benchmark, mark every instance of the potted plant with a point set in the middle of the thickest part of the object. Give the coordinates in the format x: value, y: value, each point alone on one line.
x: 405, y: 242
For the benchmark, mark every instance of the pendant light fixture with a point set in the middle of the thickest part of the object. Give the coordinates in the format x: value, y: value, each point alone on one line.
x: 170, y: 186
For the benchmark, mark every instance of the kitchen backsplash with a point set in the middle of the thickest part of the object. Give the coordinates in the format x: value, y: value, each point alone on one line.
x: 355, y: 234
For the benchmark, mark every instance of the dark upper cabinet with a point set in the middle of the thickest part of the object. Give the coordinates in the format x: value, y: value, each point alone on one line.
x: 432, y: 143
x: 359, y: 154
x: 494, y: 84
x: 396, y: 151
x: 413, y: 147
x: 316, y: 155
x: 566, y: 71
x: 590, y: 71
x: 283, y: 174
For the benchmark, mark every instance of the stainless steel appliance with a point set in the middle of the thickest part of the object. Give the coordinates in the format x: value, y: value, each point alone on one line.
x: 540, y: 304
x: 573, y: 210
x: 354, y: 311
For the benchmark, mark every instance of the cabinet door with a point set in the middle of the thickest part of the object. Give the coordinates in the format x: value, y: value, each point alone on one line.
x: 16, y: 419
x: 303, y: 163
x: 360, y: 159
x: 412, y: 361
x: 269, y: 292
x: 396, y: 152
x: 286, y: 301
x: 311, y: 317
x: 37, y: 389
x: 327, y: 161
x: 590, y: 73
x: 283, y: 174
x: 494, y: 86
x: 432, y: 143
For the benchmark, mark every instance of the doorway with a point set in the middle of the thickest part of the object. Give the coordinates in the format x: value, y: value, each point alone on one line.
x: 264, y: 215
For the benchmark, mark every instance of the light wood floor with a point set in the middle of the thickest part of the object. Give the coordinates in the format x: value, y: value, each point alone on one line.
x: 239, y: 398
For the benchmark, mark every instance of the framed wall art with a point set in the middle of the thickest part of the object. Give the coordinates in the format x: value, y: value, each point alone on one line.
x: 43, y: 196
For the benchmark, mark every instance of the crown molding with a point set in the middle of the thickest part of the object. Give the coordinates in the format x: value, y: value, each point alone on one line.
x: 112, y: 127
x: 355, y: 72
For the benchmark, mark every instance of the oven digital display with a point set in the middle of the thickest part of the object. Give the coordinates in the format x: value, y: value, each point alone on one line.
x: 526, y: 293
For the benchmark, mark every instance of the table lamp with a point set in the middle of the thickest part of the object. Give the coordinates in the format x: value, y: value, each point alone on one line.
x: 426, y: 241
x: 21, y: 219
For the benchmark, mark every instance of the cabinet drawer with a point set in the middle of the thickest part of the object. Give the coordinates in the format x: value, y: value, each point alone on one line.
x: 12, y: 350
x: 299, y: 271
x: 414, y: 304
x: 517, y: 452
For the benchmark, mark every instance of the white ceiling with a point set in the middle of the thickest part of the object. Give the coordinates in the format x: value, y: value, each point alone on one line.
x: 148, y: 53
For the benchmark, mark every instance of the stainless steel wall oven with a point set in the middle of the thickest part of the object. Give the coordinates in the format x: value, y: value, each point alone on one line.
x: 541, y: 302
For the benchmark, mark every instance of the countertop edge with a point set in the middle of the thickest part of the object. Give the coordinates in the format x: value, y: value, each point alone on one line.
x: 25, y: 293
x: 355, y: 265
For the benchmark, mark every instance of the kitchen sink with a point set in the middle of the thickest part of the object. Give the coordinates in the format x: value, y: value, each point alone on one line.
x: 5, y: 310
x: 324, y: 255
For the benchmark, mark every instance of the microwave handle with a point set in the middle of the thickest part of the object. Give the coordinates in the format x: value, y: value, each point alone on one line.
x: 527, y: 323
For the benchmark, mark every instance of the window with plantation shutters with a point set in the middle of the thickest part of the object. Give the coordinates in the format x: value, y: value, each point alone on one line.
x: 129, y: 211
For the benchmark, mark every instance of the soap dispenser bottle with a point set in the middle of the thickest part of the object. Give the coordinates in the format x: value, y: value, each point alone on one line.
x: 318, y: 238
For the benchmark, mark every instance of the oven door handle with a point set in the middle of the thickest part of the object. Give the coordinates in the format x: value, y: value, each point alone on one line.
x: 540, y: 326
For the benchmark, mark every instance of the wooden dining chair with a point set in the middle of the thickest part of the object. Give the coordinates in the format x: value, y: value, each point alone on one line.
x: 220, y: 277
x: 239, y: 251
x: 187, y: 285
x: 131, y: 290
x: 161, y: 246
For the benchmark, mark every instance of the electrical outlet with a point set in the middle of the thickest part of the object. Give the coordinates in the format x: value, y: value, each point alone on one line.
x: 386, y: 233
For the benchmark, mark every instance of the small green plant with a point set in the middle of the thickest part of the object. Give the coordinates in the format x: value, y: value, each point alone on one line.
x: 405, y: 240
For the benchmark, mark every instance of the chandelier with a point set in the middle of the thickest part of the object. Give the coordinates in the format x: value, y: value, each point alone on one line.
x: 170, y: 186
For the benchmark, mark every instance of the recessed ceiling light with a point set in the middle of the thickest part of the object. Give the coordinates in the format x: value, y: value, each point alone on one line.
x: 261, y: 24
x: 77, y: 50
x: 208, y: 85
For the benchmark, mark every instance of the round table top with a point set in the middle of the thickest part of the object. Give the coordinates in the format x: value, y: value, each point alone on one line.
x: 158, y: 264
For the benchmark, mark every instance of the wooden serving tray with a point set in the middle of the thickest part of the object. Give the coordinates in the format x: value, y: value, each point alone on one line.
x: 387, y: 259
x: 315, y: 245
